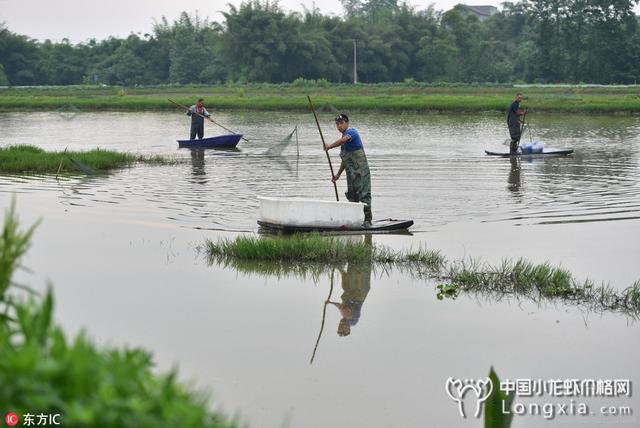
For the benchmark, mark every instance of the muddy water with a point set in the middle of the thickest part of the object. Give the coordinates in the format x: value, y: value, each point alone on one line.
x: 121, y: 252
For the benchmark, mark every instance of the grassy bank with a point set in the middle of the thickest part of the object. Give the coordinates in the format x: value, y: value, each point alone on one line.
x: 313, y: 254
x: 374, y: 97
x: 31, y: 159
x: 44, y: 371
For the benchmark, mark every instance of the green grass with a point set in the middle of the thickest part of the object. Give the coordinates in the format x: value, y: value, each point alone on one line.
x: 314, y: 254
x: 31, y: 159
x: 309, y: 255
x: 311, y: 248
x: 314, y: 248
x: 410, y: 96
x: 43, y: 371
x: 13, y: 246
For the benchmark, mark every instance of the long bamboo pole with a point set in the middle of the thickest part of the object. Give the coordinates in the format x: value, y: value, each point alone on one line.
x: 324, y: 146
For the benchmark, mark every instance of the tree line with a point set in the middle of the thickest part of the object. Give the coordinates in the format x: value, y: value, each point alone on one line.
x: 534, y: 41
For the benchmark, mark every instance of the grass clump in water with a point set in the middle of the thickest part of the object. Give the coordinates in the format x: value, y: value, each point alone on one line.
x: 520, y: 276
x: 313, y: 254
x: 297, y: 248
x: 538, y: 281
x: 310, y: 255
x: 32, y: 159
x: 315, y: 248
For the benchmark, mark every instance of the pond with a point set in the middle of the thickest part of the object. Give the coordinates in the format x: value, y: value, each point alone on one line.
x: 121, y: 251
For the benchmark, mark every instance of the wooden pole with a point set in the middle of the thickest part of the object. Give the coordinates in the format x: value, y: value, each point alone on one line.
x: 324, y: 315
x: 61, y: 161
x: 324, y: 147
x: 208, y: 118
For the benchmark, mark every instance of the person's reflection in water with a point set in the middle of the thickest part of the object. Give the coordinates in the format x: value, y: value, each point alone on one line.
x: 356, y: 282
x: 514, y: 179
x: 197, y: 166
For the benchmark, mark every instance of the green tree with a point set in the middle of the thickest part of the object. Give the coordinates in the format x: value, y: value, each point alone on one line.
x: 263, y: 43
x: 61, y: 63
x: 121, y: 68
x: 192, y: 49
x: 463, y: 29
x: 4, y: 81
x: 18, y: 55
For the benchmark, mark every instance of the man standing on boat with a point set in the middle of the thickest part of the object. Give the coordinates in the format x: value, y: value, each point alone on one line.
x: 354, y: 161
x: 197, y: 113
x: 515, y: 126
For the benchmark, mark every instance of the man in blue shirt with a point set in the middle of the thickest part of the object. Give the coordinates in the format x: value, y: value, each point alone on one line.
x: 513, y: 121
x: 354, y: 161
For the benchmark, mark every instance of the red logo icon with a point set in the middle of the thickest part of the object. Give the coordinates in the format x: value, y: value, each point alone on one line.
x: 11, y: 419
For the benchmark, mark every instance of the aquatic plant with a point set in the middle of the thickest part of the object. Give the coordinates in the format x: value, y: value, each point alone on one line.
x: 521, y: 278
x: 294, y: 251
x: 32, y: 159
x: 315, y: 254
x: 297, y: 248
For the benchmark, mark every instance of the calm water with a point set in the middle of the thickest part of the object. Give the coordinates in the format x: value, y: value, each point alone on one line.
x: 121, y: 253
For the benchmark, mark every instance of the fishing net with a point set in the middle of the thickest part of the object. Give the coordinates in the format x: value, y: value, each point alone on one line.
x: 277, y: 149
x: 82, y: 167
x: 68, y: 112
x: 325, y: 108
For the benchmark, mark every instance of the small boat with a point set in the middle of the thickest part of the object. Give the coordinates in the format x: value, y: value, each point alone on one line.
x: 220, y: 141
x: 308, y: 215
x: 545, y: 152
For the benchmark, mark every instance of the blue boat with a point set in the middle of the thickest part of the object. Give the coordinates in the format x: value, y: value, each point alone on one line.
x: 230, y: 140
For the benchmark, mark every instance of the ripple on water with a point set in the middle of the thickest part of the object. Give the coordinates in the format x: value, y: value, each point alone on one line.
x: 435, y: 173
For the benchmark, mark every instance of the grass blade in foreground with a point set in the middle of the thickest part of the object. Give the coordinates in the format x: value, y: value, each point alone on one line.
x: 493, y: 415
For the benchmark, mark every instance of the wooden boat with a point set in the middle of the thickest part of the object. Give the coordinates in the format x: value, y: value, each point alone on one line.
x: 307, y: 215
x: 220, y: 141
x: 377, y: 226
x: 545, y: 152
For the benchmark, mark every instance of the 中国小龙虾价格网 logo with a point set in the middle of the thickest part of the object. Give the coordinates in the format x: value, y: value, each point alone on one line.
x: 457, y: 389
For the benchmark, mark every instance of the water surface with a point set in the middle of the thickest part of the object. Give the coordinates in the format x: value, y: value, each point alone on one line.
x: 121, y: 252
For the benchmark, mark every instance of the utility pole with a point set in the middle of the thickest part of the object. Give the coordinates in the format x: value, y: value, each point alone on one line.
x: 355, y: 63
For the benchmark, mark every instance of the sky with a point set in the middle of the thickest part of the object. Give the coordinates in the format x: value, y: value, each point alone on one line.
x: 80, y: 20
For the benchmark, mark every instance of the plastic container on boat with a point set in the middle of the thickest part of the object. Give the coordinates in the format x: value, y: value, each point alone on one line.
x: 310, y: 212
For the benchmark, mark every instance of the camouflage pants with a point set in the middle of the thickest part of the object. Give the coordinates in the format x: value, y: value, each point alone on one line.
x: 358, y: 179
x: 515, y: 132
